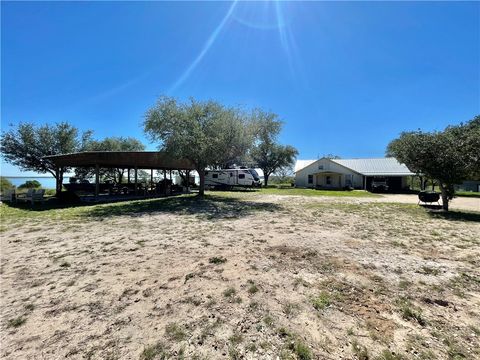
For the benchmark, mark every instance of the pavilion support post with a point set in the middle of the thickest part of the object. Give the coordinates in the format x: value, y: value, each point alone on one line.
x: 188, y: 181
x: 151, y: 180
x: 97, y: 180
x: 128, y: 175
x: 136, y: 180
x: 165, y: 182
x: 170, y: 174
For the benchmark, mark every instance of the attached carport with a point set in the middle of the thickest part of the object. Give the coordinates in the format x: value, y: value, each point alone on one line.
x: 395, y: 183
x: 130, y: 160
x: 397, y: 175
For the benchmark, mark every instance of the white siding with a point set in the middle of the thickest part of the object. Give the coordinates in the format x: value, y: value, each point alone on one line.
x: 325, y: 166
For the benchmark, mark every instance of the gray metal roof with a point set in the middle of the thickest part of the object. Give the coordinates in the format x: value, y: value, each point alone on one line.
x: 377, y: 166
x: 300, y: 164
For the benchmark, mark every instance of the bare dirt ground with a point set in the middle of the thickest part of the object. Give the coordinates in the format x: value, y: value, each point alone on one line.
x: 458, y: 203
x: 242, y: 277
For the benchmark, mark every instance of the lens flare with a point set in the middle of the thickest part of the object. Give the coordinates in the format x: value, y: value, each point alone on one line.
x: 206, y: 47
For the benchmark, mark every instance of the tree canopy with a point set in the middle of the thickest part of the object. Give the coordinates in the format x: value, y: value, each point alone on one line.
x: 27, y: 144
x: 109, y: 144
x: 205, y: 132
x: 449, y: 157
x: 30, y: 184
x: 5, y: 184
x: 267, y: 153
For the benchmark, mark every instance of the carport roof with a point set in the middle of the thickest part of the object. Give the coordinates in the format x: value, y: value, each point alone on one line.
x: 122, y: 159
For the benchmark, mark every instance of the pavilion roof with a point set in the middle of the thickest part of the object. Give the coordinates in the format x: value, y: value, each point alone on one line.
x: 122, y: 159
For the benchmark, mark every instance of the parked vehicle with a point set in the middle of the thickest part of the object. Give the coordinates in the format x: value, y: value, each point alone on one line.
x: 379, y: 184
x: 229, y: 178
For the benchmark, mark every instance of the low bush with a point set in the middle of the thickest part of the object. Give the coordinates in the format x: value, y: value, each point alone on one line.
x: 30, y: 184
x: 5, y: 184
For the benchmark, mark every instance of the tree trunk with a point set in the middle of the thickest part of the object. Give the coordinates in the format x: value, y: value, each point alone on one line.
x: 444, y: 196
x: 265, y: 179
x: 59, y: 182
x: 183, y: 177
x: 201, y: 174
x: 120, y: 175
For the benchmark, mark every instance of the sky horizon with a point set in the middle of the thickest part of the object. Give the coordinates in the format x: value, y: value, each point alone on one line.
x: 346, y: 78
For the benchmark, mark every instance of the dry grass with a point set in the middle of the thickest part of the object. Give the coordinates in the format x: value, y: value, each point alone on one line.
x: 243, y: 276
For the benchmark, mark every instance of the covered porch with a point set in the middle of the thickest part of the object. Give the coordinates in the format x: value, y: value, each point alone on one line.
x: 328, y: 180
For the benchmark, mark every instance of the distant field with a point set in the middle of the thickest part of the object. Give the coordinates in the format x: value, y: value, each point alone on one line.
x: 240, y: 275
x: 468, y: 194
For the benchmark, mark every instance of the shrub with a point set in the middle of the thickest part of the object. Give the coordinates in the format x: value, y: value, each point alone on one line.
x: 410, y: 312
x: 322, y: 301
x: 175, y: 332
x: 217, y: 260
x: 5, y: 184
x: 30, y: 184
x: 16, y: 322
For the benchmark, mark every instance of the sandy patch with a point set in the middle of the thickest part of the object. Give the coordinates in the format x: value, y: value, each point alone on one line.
x: 324, y: 278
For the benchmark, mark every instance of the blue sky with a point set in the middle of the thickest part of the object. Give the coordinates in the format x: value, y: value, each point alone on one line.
x: 346, y: 78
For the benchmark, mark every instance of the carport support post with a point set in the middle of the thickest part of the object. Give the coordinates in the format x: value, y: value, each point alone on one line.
x: 136, y: 180
x: 97, y: 180
x: 364, y: 183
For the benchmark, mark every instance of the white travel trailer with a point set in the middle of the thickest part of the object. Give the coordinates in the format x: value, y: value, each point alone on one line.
x: 229, y: 178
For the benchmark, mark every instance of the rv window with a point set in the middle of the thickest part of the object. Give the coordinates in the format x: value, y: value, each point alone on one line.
x: 310, y: 179
x: 215, y: 176
x: 231, y: 174
x: 241, y: 176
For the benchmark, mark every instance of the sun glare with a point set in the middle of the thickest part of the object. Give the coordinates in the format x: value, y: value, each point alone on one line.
x: 268, y: 16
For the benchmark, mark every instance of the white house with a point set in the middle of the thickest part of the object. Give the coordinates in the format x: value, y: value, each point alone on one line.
x: 327, y: 173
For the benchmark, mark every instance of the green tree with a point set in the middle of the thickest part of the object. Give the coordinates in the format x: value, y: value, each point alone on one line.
x: 30, y: 184
x: 26, y: 146
x: 109, y: 144
x: 283, y: 175
x: 448, y: 157
x: 206, y: 133
x: 267, y: 153
x: 5, y: 184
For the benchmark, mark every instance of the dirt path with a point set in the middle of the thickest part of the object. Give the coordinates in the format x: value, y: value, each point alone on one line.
x: 458, y: 203
x: 263, y: 278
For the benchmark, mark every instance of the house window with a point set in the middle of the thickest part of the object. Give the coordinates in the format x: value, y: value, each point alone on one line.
x: 241, y: 176
x: 310, y: 179
x: 215, y: 176
x: 329, y: 180
x: 320, y: 167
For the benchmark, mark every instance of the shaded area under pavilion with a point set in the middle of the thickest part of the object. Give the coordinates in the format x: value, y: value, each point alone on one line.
x: 128, y: 160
